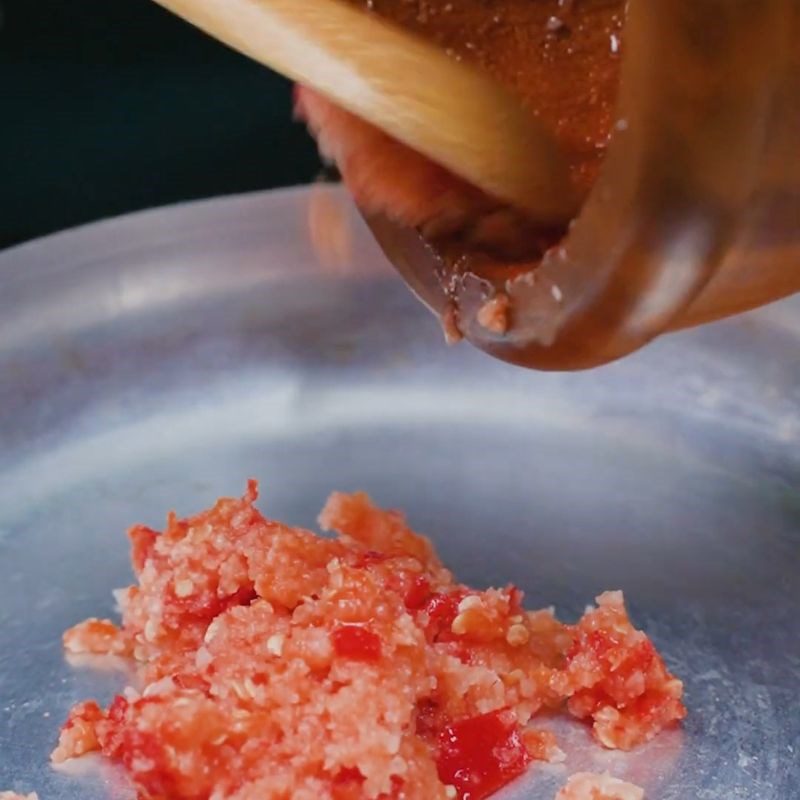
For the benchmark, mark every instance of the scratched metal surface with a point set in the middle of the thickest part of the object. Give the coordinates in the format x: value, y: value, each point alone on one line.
x: 157, y: 361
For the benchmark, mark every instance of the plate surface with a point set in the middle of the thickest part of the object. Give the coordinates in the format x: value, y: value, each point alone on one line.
x: 157, y: 361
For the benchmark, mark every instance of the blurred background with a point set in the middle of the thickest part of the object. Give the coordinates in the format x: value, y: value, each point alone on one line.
x: 110, y: 106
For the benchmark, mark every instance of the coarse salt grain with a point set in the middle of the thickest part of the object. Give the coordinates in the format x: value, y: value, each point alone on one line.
x: 211, y: 631
x: 459, y: 625
x: 151, y: 629
x: 518, y: 635
x: 470, y: 601
x: 592, y: 786
x: 275, y: 644
x: 183, y: 588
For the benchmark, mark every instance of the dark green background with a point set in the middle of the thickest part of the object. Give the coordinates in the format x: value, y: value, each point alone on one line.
x: 112, y: 105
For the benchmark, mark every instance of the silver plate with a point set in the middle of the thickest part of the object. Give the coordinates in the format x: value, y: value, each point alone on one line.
x: 157, y: 361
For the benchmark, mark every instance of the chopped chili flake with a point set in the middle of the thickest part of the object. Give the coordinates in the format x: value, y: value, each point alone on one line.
x: 143, y: 540
x: 356, y: 642
x: 348, y: 775
x: 442, y: 609
x: 369, y: 557
x: 418, y: 593
x: 516, y: 596
x: 480, y: 754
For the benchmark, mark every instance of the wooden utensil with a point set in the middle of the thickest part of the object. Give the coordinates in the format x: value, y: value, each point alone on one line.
x: 444, y: 109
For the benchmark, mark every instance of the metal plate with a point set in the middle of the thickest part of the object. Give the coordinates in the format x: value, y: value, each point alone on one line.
x: 157, y: 361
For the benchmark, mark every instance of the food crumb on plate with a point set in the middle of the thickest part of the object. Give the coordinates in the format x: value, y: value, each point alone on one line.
x: 450, y: 325
x: 275, y: 663
x: 493, y: 314
x: 591, y: 786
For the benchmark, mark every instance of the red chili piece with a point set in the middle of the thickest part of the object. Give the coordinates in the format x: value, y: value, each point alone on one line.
x: 442, y: 608
x: 370, y: 557
x: 348, y: 784
x: 356, y: 642
x: 418, y: 593
x: 143, y: 540
x: 480, y: 754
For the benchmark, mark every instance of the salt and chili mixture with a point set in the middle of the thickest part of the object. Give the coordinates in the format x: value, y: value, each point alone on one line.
x: 277, y: 664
